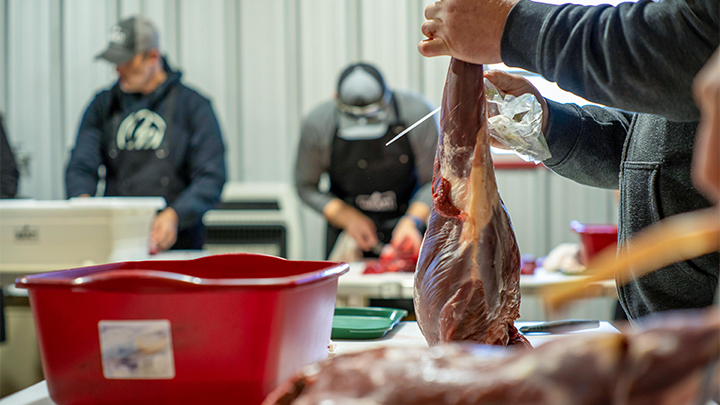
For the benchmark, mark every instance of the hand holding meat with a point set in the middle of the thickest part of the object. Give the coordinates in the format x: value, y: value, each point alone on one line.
x: 469, y: 30
x: 406, y: 236
x: 352, y: 221
x: 164, y: 231
x: 515, y: 85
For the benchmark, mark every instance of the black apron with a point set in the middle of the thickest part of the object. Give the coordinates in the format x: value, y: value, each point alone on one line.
x: 138, y: 161
x: 376, y: 179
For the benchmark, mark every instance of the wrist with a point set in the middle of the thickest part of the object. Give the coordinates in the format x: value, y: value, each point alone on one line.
x: 336, y: 212
x: 171, y: 215
x: 419, y: 223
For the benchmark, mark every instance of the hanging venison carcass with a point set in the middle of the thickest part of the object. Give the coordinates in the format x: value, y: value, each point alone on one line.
x: 468, y: 273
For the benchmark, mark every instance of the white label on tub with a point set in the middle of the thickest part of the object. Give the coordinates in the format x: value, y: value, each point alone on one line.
x: 134, y: 350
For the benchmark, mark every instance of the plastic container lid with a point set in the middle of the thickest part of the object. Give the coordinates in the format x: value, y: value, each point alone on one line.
x: 365, y: 323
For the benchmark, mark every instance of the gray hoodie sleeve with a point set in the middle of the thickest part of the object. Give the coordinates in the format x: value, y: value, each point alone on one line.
x: 205, y: 154
x: 587, y: 142
x: 81, y: 175
x: 637, y: 56
x: 313, y: 155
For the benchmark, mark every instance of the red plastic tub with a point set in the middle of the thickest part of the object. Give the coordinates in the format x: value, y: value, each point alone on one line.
x: 216, y: 330
x: 594, y: 238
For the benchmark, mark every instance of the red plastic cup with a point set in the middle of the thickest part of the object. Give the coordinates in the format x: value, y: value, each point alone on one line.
x: 594, y: 238
x: 528, y: 264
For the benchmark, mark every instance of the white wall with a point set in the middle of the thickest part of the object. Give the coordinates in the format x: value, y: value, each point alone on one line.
x: 264, y: 64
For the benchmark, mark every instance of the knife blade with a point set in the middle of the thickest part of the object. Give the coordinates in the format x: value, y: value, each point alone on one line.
x: 564, y: 326
x: 418, y: 122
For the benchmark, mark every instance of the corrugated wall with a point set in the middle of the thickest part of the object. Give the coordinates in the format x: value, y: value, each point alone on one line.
x: 264, y: 64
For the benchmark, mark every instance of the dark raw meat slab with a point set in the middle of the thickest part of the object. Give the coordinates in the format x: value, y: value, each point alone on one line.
x: 468, y: 274
x: 662, y: 365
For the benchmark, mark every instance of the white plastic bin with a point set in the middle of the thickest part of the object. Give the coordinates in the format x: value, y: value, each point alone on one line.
x: 52, y: 235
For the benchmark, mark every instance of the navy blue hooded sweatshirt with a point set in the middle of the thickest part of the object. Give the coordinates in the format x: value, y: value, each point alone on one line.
x: 166, y: 143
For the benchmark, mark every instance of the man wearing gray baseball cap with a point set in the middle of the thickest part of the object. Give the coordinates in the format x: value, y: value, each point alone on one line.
x: 378, y: 195
x: 155, y: 137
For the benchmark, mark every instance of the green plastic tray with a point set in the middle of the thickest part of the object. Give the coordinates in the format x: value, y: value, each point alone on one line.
x: 365, y: 323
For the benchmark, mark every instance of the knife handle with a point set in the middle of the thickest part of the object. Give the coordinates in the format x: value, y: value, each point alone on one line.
x: 378, y: 248
x: 568, y: 325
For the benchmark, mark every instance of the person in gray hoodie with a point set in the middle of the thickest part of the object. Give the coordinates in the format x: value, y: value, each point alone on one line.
x: 639, y: 58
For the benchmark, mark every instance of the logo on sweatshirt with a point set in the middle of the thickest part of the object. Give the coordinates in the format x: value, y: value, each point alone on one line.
x: 142, y: 129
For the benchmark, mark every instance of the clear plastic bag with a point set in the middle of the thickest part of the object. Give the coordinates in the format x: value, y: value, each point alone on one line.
x: 516, y: 122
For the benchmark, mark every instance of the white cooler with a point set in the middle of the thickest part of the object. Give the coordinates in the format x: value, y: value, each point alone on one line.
x: 38, y: 236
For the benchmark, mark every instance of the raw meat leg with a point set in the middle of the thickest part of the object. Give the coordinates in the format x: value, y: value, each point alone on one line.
x: 468, y: 273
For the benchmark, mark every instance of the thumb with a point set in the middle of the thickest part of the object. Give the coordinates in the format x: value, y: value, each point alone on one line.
x: 154, y: 247
x: 433, y: 47
x: 505, y: 82
x: 399, y: 239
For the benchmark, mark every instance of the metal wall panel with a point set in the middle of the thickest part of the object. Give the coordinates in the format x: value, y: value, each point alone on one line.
x: 434, y: 70
x: 129, y: 8
x: 85, y: 28
x: 3, y: 55
x: 433, y: 77
x: 573, y: 201
x: 386, y: 40
x: 231, y: 102
x: 56, y: 97
x: 265, y: 126
x: 523, y: 193
x: 164, y: 15
x: 264, y: 65
x: 541, y: 205
x: 323, y: 35
x: 205, y: 52
x: 33, y: 122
